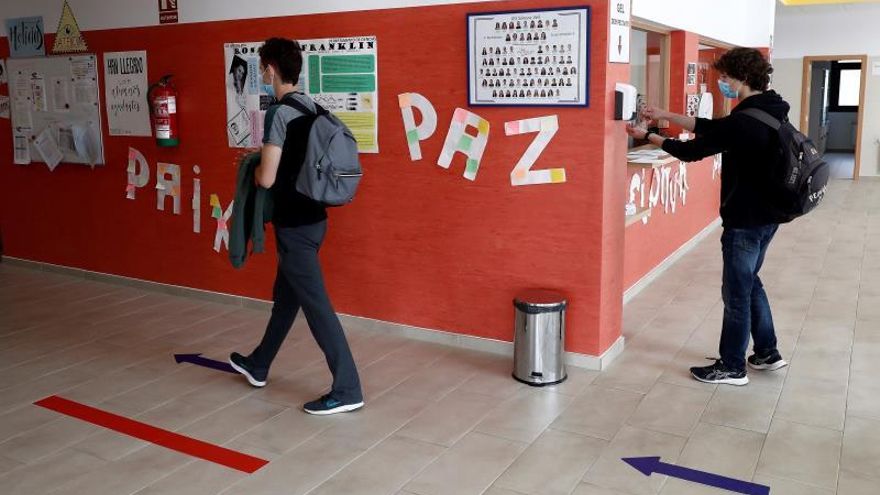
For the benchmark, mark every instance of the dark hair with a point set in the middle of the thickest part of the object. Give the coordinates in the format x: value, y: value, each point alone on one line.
x: 285, y: 55
x: 747, y: 65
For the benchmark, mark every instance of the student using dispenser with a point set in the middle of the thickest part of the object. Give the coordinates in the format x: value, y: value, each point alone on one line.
x: 750, y: 150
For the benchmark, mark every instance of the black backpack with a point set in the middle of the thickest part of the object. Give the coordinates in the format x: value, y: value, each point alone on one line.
x: 802, y: 179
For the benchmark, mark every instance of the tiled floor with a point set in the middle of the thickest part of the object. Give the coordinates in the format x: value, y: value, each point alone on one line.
x: 450, y: 421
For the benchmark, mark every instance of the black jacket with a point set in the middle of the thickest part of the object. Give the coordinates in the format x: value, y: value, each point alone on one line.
x: 750, y: 154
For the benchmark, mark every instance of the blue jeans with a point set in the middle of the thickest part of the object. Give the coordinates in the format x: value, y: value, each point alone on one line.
x: 746, y: 308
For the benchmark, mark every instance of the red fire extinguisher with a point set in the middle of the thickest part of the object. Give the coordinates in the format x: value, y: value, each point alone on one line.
x: 162, y: 98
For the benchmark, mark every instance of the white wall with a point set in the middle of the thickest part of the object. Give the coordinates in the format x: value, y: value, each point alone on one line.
x: 738, y: 22
x: 112, y: 14
x: 749, y: 23
x: 831, y: 30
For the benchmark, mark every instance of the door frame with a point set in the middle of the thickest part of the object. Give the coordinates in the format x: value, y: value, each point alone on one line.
x: 805, y: 98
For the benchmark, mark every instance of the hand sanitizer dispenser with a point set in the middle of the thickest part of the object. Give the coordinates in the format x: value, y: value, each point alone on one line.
x: 624, y: 101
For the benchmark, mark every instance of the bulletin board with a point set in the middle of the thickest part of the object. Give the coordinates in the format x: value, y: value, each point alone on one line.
x: 56, y: 112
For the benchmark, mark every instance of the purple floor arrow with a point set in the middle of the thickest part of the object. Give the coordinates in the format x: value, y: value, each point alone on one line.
x: 649, y: 465
x: 207, y: 363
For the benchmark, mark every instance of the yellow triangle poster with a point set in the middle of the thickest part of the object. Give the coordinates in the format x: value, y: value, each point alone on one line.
x: 68, y: 38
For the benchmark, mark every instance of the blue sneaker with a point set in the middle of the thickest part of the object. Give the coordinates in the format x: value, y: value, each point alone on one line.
x: 328, y: 405
x: 243, y: 365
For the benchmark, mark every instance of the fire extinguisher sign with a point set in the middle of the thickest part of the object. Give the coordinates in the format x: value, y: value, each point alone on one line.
x: 167, y: 11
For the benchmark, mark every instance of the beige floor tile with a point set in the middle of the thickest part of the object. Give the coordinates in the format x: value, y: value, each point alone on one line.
x: 447, y: 421
x: 635, y: 371
x: 802, y: 453
x: 195, y: 478
x: 861, y: 446
x: 47, y: 440
x: 863, y: 398
x: 47, y: 474
x: 377, y: 421
x: 286, y: 431
x: 494, y: 380
x: 576, y: 382
x: 779, y: 486
x: 554, y: 464
x: 588, y: 489
x: 383, y: 469
x: 300, y: 470
x: 719, y: 450
x: 857, y: 484
x: 816, y: 402
x: 598, y: 412
x: 436, y: 381
x: 127, y: 475
x: 671, y: 409
x: 525, y: 416
x: 611, y: 472
x: 469, y: 467
x: 750, y: 407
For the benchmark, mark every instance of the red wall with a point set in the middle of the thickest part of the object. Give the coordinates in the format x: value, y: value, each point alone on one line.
x: 420, y: 245
x: 647, y: 245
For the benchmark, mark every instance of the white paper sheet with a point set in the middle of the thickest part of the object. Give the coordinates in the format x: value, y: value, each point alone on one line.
x: 48, y: 149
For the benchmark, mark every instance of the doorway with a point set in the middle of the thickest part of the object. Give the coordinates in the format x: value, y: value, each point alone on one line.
x: 832, y: 101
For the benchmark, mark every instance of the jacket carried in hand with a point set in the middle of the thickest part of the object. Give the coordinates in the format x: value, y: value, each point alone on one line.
x: 251, y: 210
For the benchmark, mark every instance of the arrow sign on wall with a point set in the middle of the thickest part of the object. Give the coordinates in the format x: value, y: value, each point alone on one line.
x: 649, y: 465
x: 198, y: 360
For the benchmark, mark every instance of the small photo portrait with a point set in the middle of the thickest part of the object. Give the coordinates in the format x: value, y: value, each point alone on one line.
x: 522, y: 71
x: 555, y: 24
x: 484, y: 50
x: 497, y: 51
x: 494, y: 93
x: 497, y: 26
x: 529, y: 72
x: 565, y: 71
x: 518, y: 25
x: 543, y: 36
x: 508, y: 72
x: 532, y: 25
x: 529, y: 93
x: 507, y: 38
x: 515, y: 36
x: 568, y: 82
x: 540, y: 24
x: 574, y: 71
x: 239, y: 70
x: 529, y: 37
x: 540, y: 51
x: 512, y: 61
x: 503, y: 25
x: 522, y: 93
x: 557, y: 93
x: 568, y: 60
x: 485, y: 83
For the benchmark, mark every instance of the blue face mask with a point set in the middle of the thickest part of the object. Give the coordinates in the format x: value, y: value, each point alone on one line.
x: 269, y: 89
x: 727, y: 90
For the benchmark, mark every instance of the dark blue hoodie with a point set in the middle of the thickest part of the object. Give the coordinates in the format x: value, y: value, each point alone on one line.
x: 750, y: 155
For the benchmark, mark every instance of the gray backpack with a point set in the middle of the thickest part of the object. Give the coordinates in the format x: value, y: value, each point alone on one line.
x: 331, y: 169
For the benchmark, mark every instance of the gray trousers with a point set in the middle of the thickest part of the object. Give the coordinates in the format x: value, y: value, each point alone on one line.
x: 299, y: 284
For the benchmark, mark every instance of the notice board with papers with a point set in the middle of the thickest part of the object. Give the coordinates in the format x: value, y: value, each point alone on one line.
x: 56, y: 110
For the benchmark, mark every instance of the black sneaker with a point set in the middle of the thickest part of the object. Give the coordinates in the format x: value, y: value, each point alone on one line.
x: 244, y: 366
x: 328, y: 405
x: 719, y: 373
x: 770, y: 362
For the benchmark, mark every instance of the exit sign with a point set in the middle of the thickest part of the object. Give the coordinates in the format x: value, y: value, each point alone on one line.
x: 167, y: 11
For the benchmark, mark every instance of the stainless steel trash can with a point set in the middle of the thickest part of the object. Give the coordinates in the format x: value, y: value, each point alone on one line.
x: 539, y: 339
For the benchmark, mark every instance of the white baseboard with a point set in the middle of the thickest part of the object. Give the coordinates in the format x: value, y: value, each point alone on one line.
x: 423, y: 334
x: 669, y: 261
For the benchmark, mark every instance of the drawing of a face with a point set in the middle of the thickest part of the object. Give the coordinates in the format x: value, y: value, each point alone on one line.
x: 239, y: 71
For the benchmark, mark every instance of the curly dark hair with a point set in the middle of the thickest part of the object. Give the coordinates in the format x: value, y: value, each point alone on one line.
x: 747, y: 65
x: 285, y: 55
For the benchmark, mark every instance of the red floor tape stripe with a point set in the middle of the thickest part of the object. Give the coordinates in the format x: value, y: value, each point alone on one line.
x: 158, y: 436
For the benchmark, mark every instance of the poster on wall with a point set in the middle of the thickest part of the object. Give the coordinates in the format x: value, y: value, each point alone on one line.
x: 340, y: 74
x: 125, y: 89
x: 529, y: 58
x: 68, y: 37
x: 25, y: 36
x: 618, y: 31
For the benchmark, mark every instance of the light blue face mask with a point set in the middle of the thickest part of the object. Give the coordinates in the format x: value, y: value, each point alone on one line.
x: 267, y: 88
x: 727, y: 90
